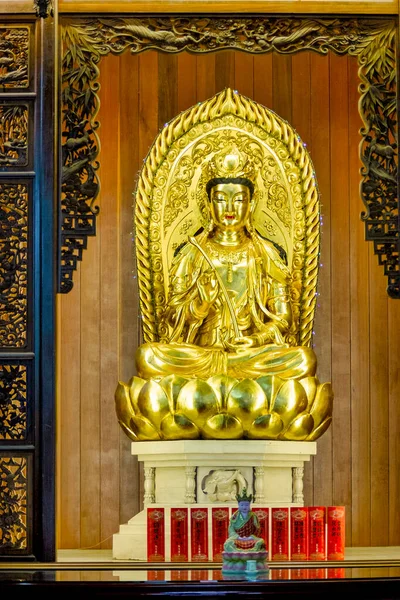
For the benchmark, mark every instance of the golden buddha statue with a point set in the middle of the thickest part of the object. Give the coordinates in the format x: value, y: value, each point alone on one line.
x: 222, y: 307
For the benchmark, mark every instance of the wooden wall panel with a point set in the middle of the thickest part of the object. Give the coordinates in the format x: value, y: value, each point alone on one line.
x: 356, y: 329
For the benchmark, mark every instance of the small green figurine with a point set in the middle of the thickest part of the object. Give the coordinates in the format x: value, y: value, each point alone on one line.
x: 244, y: 550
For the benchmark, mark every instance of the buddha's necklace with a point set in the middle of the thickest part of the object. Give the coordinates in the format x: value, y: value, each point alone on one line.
x: 228, y: 257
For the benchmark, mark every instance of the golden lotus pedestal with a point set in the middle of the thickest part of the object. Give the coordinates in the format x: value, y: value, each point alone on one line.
x: 208, y: 474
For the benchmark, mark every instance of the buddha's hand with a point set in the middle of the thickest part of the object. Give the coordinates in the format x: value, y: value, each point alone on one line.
x: 238, y: 344
x: 207, y: 285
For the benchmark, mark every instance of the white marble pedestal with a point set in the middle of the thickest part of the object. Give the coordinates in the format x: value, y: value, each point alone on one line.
x: 209, y: 473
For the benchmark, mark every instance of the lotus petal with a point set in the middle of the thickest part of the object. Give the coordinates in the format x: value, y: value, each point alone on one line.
x: 135, y: 385
x: 123, y: 406
x: 197, y: 401
x: 246, y: 401
x: 222, y: 427
x: 323, y: 403
x: 172, y: 385
x: 178, y: 427
x: 131, y: 434
x: 299, y: 429
x: 144, y: 430
x: 310, y: 385
x: 266, y: 427
x: 153, y: 402
x: 318, y: 431
x: 222, y: 385
x: 271, y: 385
x: 290, y: 401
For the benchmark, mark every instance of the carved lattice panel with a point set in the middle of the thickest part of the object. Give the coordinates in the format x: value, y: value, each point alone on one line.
x: 13, y: 401
x: 14, y: 247
x: 15, y: 473
x: 15, y: 52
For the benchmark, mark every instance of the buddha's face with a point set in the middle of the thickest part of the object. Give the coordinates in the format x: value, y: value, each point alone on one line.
x: 230, y: 205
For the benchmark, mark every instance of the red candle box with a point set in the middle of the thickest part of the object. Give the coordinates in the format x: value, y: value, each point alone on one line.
x: 220, y: 524
x: 199, y: 534
x: 317, y: 538
x: 298, y: 533
x: 280, y: 533
x: 263, y: 518
x: 336, y: 532
x: 179, y: 535
x: 155, y: 535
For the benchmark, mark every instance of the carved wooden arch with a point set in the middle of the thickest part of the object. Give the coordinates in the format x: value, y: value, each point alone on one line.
x: 85, y: 41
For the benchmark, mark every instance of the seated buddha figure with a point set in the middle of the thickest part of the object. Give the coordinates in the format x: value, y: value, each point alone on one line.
x: 229, y: 302
x: 226, y: 312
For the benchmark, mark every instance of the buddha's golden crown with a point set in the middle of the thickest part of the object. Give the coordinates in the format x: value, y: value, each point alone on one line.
x: 231, y: 163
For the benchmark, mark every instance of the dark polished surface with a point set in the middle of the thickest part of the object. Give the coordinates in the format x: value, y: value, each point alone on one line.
x: 303, y: 580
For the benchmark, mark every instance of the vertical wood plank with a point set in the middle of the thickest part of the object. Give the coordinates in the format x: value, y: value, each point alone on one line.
x: 282, y: 85
x: 187, y: 81
x: 148, y: 102
x: 244, y: 74
x: 360, y: 360
x: 129, y: 305
x: 109, y: 300
x: 340, y: 277
x: 394, y: 413
x: 205, y: 70
x: 70, y: 417
x: 320, y: 144
x: 379, y: 386
x: 90, y: 394
x: 167, y: 88
x: 263, y: 79
x: 224, y: 70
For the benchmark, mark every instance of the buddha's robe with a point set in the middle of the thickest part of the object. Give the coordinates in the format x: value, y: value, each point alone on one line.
x: 196, y: 342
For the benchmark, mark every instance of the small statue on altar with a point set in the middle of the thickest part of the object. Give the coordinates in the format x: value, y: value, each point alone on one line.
x: 244, y: 550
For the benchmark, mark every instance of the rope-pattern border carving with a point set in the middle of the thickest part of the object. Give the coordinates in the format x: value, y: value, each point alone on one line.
x: 228, y: 103
x: 373, y: 41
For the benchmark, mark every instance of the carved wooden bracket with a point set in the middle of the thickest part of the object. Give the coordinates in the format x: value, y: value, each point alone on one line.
x: 86, y: 41
x: 43, y: 8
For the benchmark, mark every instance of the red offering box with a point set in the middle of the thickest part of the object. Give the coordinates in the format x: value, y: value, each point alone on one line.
x: 179, y: 535
x: 199, y: 534
x: 155, y: 535
x: 280, y: 533
x: 298, y: 533
x: 220, y: 524
x: 263, y: 517
x: 317, y: 538
x: 336, y: 532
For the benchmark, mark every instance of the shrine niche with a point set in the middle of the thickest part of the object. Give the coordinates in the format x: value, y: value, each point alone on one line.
x: 85, y: 42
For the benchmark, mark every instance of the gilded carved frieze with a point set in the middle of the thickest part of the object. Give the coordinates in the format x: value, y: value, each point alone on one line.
x: 13, y: 401
x: 14, y: 57
x: 13, y: 264
x: 372, y: 41
x: 13, y: 135
x: 13, y: 502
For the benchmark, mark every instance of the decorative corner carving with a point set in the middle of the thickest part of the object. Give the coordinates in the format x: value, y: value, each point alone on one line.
x: 371, y: 40
x: 43, y: 8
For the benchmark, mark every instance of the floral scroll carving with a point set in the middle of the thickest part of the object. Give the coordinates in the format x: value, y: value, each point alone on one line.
x: 13, y: 500
x: 371, y: 40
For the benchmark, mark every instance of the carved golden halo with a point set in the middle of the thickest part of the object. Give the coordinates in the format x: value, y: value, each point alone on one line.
x: 171, y: 188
